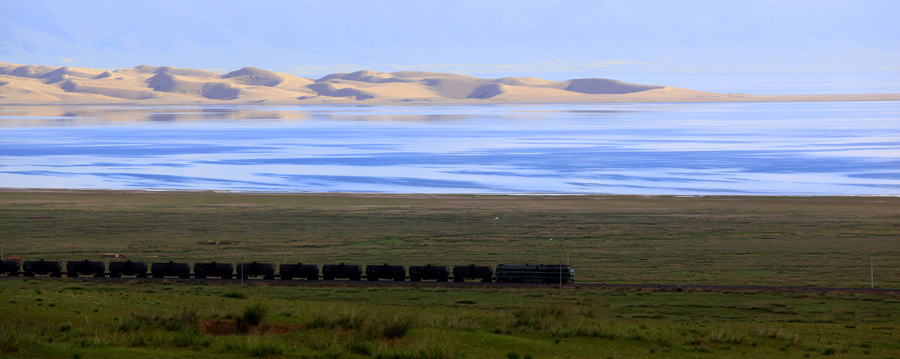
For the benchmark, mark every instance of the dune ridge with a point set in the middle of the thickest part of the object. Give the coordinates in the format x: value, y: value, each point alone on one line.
x: 144, y: 84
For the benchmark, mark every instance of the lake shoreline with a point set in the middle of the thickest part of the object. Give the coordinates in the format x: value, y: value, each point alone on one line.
x: 412, y: 194
x: 608, y: 99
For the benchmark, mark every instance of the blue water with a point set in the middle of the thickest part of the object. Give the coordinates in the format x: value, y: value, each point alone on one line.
x: 837, y: 148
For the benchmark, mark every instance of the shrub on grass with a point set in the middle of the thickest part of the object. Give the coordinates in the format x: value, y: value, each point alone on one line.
x: 779, y: 333
x: 137, y: 340
x: 346, y: 318
x: 16, y: 336
x: 265, y: 348
x: 452, y: 321
x: 181, y: 320
x: 186, y: 315
x: 390, y: 327
x: 230, y: 344
x: 539, y: 318
x: 235, y: 295
x: 327, y: 348
x: 183, y: 340
x: 184, y: 319
x: 396, y: 326
x: 692, y: 342
x: 845, y: 348
x: 128, y: 325
x: 254, y: 346
x: 361, y: 347
x: 423, y: 350
x: 723, y: 336
x: 251, y: 316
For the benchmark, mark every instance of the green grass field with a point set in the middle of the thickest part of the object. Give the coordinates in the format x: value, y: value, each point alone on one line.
x: 784, y: 241
x: 74, y: 318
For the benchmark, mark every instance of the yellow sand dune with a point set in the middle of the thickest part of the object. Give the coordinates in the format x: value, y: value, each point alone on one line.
x: 33, y: 84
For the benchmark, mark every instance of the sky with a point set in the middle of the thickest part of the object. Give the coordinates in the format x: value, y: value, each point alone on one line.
x: 712, y: 43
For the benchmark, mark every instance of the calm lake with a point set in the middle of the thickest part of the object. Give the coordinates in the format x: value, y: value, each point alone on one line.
x: 836, y: 148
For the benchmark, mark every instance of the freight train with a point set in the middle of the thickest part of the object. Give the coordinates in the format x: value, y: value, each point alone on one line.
x: 505, y: 273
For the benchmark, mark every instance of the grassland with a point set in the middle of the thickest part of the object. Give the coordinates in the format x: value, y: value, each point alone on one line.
x: 61, y: 318
x: 781, y: 241
x: 807, y: 241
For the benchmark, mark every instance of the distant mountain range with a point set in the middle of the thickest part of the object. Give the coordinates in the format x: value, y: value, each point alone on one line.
x: 33, y: 84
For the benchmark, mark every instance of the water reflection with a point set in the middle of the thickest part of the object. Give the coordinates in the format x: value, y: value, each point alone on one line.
x: 49, y: 116
x: 774, y: 149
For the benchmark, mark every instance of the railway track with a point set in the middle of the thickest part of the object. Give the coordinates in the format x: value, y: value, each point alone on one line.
x: 469, y: 284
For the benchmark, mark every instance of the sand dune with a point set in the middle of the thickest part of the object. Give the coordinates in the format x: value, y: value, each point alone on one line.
x: 120, y: 93
x: 144, y: 69
x: 167, y: 82
x: 605, y: 86
x: 68, y: 71
x: 10, y: 89
x: 33, y: 84
x: 489, y: 91
x: 332, y: 90
x: 255, y: 77
x: 28, y: 71
x: 524, y: 81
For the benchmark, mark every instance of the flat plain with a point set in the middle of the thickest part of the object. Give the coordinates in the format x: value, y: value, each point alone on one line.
x: 773, y: 241
x: 768, y: 241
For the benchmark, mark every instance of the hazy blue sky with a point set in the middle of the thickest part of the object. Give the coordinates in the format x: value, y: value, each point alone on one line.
x: 548, y: 39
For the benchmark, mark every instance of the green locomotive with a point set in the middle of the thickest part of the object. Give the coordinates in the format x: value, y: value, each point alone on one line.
x: 535, y: 273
